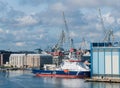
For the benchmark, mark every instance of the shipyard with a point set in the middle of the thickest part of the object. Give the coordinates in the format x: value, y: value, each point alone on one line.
x: 59, y: 44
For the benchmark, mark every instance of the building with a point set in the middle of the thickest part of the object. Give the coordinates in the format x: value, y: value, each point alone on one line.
x: 105, y: 60
x: 17, y: 60
x: 4, y: 57
x: 38, y: 60
x: 30, y: 60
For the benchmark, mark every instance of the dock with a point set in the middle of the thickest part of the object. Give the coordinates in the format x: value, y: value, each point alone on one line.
x: 103, y: 80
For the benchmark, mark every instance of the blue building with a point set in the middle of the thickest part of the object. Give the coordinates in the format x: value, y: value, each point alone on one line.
x: 105, y: 60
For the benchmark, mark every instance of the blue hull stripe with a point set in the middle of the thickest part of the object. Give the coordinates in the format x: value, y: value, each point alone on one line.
x: 84, y: 73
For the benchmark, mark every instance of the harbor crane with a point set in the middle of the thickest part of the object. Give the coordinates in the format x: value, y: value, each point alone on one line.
x: 61, y: 40
x: 69, y: 40
x: 63, y: 37
x: 58, y: 48
x: 108, y: 34
x: 83, y: 44
x: 72, y: 43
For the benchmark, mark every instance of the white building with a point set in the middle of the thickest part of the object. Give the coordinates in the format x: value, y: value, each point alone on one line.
x: 17, y: 60
x: 29, y: 60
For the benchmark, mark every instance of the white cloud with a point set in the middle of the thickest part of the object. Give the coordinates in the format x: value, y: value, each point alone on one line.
x: 20, y: 44
x: 99, y: 27
x: 58, y: 7
x: 7, y: 31
x: 118, y: 20
x: 94, y: 35
x: 82, y: 23
x: 41, y: 36
x: 84, y: 3
x: 93, y: 3
x: 73, y: 34
x: 117, y: 33
x: 27, y: 20
x: 1, y: 30
x: 108, y: 18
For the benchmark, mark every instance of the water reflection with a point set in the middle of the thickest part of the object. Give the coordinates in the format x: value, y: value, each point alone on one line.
x: 25, y: 79
x: 105, y: 85
x: 14, y: 73
x: 78, y: 83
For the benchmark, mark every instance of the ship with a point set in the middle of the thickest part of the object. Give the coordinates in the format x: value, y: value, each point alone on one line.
x: 69, y: 68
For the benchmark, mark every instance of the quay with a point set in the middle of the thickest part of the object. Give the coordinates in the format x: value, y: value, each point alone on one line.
x: 107, y: 80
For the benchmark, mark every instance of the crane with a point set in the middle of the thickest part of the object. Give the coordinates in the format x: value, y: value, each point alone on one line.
x: 83, y: 44
x: 58, y: 48
x: 108, y: 35
x: 60, y: 41
x: 67, y: 30
x: 72, y: 43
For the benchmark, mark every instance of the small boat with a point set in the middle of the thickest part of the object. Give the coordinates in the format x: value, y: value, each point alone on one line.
x: 71, y: 68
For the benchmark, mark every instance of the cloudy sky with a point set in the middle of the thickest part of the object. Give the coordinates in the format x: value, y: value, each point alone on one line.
x: 31, y: 24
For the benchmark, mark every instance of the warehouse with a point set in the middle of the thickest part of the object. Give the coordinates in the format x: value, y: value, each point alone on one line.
x: 38, y: 60
x: 17, y: 60
x: 105, y: 60
x: 29, y: 60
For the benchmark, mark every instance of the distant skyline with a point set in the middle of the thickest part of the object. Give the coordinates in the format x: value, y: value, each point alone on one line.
x: 31, y: 24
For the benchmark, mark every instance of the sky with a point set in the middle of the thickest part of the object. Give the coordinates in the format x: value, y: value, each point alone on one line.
x: 31, y: 24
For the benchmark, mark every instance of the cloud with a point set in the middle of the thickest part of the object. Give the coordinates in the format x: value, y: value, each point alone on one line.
x: 1, y: 30
x: 117, y: 33
x: 58, y: 7
x: 108, y: 18
x: 30, y: 2
x: 3, y: 6
x: 36, y: 2
x: 20, y: 44
x: 73, y: 34
x: 26, y: 20
x: 93, y: 3
x: 118, y: 20
x: 30, y: 29
x: 83, y: 3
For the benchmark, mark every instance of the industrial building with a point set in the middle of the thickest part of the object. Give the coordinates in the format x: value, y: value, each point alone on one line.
x: 17, y: 60
x: 4, y: 57
x: 38, y: 60
x: 105, y: 60
x: 29, y: 60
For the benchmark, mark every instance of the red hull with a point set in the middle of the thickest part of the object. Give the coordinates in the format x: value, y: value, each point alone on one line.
x: 60, y: 76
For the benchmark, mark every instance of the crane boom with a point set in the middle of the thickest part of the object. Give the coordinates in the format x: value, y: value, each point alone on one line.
x: 66, y: 27
x: 108, y: 35
x: 62, y: 39
x: 101, y: 18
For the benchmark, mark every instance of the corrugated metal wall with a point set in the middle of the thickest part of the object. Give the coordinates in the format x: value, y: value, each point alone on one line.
x: 105, y: 61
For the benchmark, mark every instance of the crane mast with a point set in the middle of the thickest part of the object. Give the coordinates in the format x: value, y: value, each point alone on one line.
x: 102, y: 23
x: 83, y: 44
x: 60, y: 41
x: 108, y: 35
x: 67, y: 30
x: 72, y: 43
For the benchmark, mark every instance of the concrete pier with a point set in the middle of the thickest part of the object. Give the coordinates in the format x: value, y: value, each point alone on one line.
x: 103, y: 80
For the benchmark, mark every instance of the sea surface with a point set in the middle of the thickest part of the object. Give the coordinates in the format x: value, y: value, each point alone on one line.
x: 25, y: 79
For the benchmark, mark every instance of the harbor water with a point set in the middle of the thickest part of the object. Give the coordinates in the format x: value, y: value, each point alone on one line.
x: 25, y: 79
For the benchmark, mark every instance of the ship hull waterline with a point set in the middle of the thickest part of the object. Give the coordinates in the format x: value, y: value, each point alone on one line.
x: 61, y: 74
